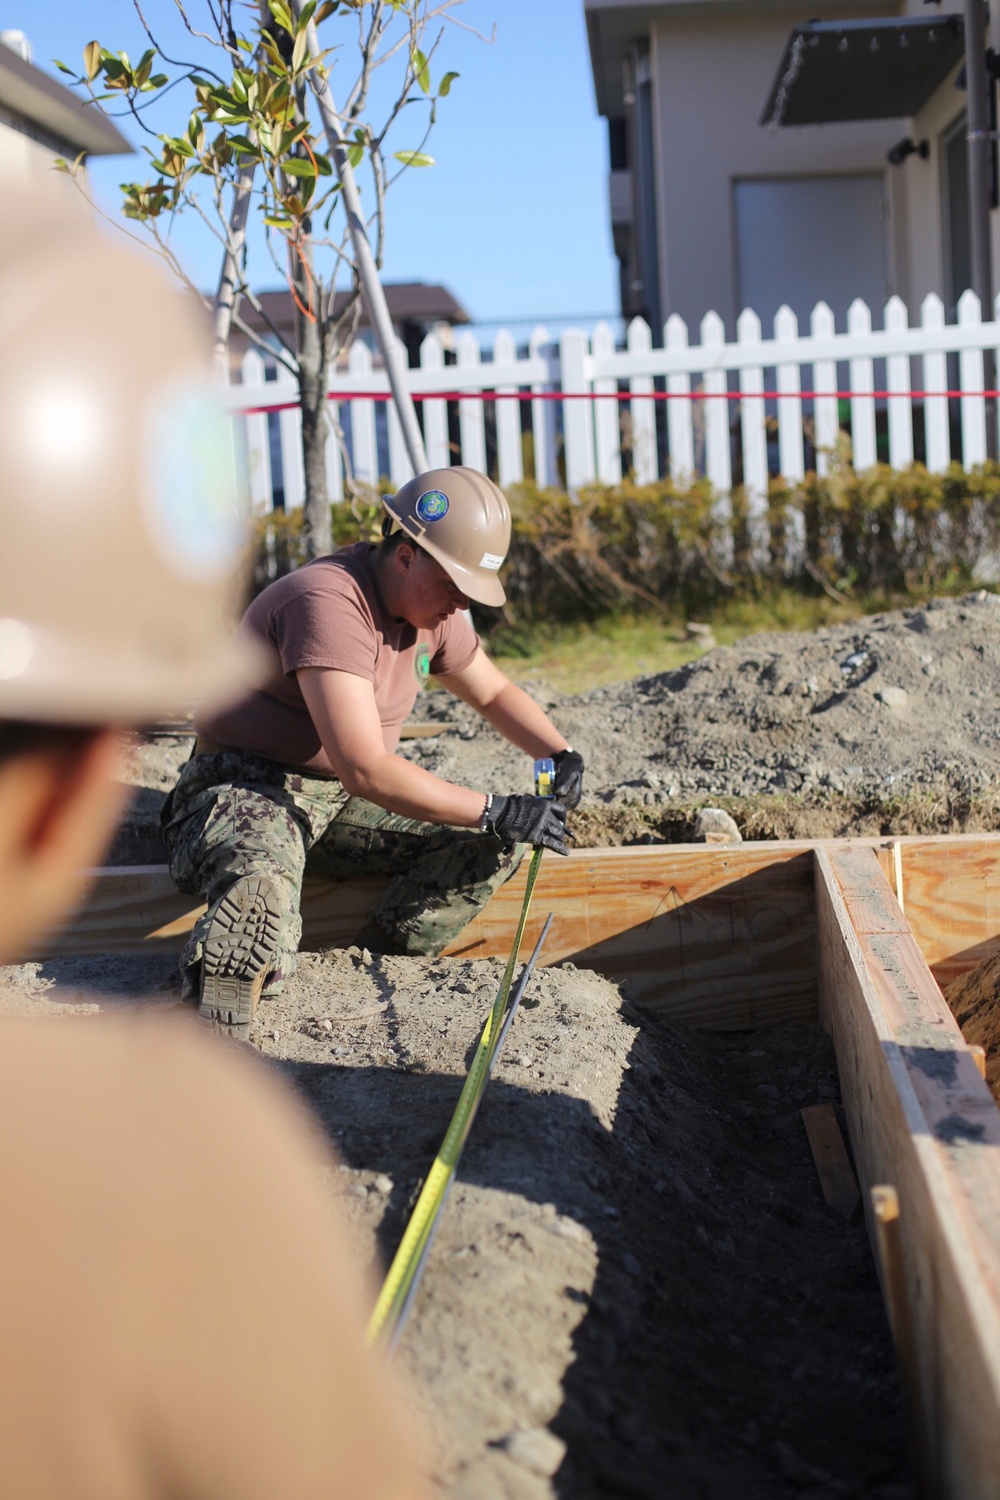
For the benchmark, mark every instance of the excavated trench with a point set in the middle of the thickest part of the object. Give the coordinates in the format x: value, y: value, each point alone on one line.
x: 637, y: 1288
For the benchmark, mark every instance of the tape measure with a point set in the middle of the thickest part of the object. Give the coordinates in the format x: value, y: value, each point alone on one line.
x: 407, y: 1263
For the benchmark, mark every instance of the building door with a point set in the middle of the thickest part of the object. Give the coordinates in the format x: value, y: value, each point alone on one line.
x: 955, y: 199
x: 803, y: 240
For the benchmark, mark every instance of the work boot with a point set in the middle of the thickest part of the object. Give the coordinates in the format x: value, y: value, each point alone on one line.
x: 239, y: 946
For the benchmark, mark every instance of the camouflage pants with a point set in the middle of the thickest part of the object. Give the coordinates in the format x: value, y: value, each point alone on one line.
x: 234, y: 814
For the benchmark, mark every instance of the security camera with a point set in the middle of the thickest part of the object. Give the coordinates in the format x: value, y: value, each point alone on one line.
x: 907, y: 147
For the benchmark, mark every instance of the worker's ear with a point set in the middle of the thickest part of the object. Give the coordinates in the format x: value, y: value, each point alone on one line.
x: 406, y: 553
x: 59, y: 807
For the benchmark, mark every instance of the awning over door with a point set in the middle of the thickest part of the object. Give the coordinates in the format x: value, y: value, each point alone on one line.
x: 862, y: 70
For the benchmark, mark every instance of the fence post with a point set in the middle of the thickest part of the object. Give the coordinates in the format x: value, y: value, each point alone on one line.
x: 791, y: 457
x: 752, y: 429
x: 544, y: 434
x: 435, y: 412
x: 826, y: 412
x: 400, y: 466
x: 718, y: 452
x: 364, y: 445
x: 510, y: 458
x: 935, y: 378
x: 865, y: 454
x: 258, y: 442
x: 471, y: 419
x: 607, y: 416
x: 680, y: 414
x: 578, y: 420
x: 286, y: 388
x: 645, y: 461
x: 334, y: 456
x: 971, y: 376
x: 897, y: 380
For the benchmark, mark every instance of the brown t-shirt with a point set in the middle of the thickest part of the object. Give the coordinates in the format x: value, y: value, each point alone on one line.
x: 329, y: 614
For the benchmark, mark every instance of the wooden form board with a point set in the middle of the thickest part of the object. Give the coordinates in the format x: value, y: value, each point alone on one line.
x: 921, y: 1120
x: 717, y: 936
x: 951, y: 896
x: 720, y: 937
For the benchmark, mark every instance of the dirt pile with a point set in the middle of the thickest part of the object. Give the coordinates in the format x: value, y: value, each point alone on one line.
x: 890, y: 724
x: 974, y: 999
x: 899, y: 705
x: 637, y: 1289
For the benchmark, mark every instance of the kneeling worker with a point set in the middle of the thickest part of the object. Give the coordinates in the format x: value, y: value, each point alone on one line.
x: 301, y: 774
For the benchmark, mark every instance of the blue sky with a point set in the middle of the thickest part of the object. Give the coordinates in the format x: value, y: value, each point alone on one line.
x: 513, y: 218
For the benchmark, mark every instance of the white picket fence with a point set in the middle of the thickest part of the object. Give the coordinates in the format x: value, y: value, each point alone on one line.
x: 592, y: 409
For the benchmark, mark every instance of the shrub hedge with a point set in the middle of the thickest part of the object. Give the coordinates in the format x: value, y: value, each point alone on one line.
x: 682, y: 550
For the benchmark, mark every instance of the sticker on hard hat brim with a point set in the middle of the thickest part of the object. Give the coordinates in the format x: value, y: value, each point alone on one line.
x: 432, y: 506
x: 492, y: 561
x: 195, y: 494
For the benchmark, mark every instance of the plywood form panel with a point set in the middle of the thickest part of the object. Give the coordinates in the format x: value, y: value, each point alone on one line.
x: 714, y: 937
x: 952, y: 898
x: 719, y: 937
x: 922, y: 1120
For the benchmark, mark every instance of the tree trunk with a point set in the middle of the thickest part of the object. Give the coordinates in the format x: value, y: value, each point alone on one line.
x: 312, y: 360
x: 312, y: 399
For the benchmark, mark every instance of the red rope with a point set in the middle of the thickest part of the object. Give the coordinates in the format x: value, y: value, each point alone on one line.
x: 252, y: 411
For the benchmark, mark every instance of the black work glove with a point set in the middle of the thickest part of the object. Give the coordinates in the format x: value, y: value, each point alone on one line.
x: 568, y: 785
x: 528, y: 820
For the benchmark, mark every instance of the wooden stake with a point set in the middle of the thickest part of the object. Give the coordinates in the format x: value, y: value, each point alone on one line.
x: 833, y: 1165
x: 897, y: 873
x: 895, y: 1290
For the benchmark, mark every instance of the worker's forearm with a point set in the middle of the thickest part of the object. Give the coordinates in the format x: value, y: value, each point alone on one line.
x: 401, y: 787
x: 520, y: 720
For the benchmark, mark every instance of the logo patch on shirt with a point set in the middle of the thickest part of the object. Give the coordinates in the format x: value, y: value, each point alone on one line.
x: 422, y: 665
x: 432, y: 506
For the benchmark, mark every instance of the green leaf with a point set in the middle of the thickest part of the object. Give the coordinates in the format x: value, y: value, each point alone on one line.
x: 92, y: 59
x: 444, y: 87
x: 63, y: 68
x: 355, y: 155
x: 298, y: 168
x: 420, y: 70
x: 156, y: 82
x: 300, y: 49
x: 305, y: 15
x: 414, y: 158
x: 277, y: 223
x: 323, y: 164
x: 282, y: 15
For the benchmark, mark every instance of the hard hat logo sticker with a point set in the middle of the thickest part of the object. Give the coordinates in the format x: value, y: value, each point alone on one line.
x: 432, y: 505
x: 195, y: 500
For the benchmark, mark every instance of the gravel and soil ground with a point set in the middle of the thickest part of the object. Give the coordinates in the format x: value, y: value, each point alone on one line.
x: 889, y: 724
x: 637, y: 1289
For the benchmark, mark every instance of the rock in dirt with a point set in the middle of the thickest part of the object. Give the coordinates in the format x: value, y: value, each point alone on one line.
x: 714, y: 826
x: 537, y: 1450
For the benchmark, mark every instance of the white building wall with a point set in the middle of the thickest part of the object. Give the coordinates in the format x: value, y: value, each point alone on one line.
x: 711, y: 78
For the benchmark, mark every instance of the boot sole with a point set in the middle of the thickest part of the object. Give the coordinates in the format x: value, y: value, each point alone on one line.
x: 238, y: 950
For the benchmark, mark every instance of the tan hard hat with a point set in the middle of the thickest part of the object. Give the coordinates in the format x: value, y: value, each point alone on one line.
x: 121, y: 525
x: 461, y: 518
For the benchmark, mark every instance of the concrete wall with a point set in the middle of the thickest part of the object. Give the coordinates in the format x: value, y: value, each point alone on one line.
x: 711, y: 78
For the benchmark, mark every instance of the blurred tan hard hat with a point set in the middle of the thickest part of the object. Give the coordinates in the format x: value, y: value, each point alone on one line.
x: 122, y: 527
x: 462, y: 519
